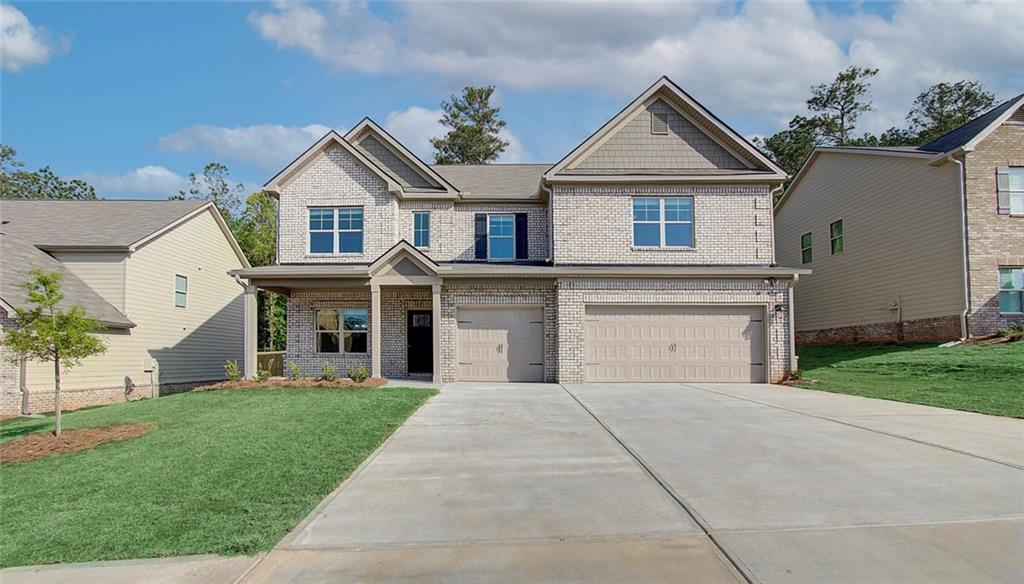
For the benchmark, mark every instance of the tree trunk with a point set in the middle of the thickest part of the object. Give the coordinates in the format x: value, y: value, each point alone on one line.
x: 56, y: 397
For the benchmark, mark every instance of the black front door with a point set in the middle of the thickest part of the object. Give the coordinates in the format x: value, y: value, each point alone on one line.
x: 420, y: 332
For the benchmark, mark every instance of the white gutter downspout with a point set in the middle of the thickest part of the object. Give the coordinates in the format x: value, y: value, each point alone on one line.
x: 963, y: 241
x: 794, y: 361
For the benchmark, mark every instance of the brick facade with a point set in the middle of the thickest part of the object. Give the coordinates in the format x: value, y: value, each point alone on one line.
x: 452, y: 235
x: 925, y: 330
x: 732, y: 225
x: 301, y: 338
x: 994, y: 240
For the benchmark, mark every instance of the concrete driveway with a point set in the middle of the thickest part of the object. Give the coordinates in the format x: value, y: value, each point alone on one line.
x: 674, y: 483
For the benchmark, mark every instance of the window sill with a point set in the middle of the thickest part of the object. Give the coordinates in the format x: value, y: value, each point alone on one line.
x: 347, y: 254
x: 1014, y: 314
x: 645, y: 248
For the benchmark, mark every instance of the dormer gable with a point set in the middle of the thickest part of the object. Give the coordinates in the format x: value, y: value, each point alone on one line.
x: 398, y: 161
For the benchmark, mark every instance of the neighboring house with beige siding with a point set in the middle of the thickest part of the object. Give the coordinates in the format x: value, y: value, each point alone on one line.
x: 155, y: 273
x: 910, y: 244
x: 645, y: 254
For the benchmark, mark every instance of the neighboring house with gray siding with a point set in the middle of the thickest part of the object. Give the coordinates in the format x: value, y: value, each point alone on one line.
x: 910, y: 244
x: 645, y: 254
x: 154, y: 273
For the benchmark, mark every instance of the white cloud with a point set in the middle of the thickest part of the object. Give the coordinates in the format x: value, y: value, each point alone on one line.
x: 741, y: 59
x: 269, y: 146
x: 22, y: 44
x: 145, y: 182
x: 414, y: 127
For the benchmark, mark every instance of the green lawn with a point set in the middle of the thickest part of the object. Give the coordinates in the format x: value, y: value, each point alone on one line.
x: 226, y: 472
x: 988, y: 379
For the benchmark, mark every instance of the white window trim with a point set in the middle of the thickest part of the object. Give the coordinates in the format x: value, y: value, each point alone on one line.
x: 1000, y: 289
x: 340, y: 331
x: 662, y: 221
x: 513, y: 237
x: 184, y: 292
x: 1015, y: 194
x: 832, y: 238
x: 429, y: 225
x: 335, y: 231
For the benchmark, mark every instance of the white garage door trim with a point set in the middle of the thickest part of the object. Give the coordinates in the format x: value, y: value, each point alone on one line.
x: 461, y: 374
x: 763, y: 312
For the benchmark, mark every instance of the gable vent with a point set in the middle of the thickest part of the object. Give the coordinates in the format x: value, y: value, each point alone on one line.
x: 659, y: 123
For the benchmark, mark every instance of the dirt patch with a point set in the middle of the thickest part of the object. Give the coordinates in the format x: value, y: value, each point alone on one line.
x: 46, y: 444
x: 296, y: 383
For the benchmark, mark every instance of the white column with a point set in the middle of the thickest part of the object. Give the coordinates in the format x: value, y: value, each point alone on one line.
x: 435, y: 290
x: 249, y: 331
x: 375, y: 332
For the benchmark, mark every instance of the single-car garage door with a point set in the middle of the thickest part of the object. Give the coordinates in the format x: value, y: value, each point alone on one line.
x: 674, y: 343
x: 503, y: 343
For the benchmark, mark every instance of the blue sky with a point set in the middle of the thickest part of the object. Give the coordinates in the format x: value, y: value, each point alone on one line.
x: 133, y: 96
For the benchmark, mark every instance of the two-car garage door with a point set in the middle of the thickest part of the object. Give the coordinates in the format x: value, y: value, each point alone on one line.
x: 674, y: 343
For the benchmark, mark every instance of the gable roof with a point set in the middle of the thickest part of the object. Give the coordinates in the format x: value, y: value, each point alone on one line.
x: 968, y: 135
x: 764, y: 168
x: 506, y: 181
x: 282, y: 178
x: 404, y: 249
x: 20, y: 256
x: 368, y: 129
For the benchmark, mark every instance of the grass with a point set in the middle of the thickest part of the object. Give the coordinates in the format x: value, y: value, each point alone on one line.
x: 987, y: 379
x: 226, y: 472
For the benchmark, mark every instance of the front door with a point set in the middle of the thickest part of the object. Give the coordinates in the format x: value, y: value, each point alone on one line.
x: 420, y: 333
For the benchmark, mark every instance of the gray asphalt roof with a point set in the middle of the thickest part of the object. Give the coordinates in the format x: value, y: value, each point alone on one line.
x: 56, y: 224
x: 20, y: 256
x: 965, y: 133
x: 511, y: 180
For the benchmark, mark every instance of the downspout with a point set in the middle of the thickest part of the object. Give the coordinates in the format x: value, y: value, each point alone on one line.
x: 963, y: 242
x: 794, y: 361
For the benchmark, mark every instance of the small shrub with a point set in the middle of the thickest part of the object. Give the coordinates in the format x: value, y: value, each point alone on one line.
x: 294, y: 371
x: 329, y: 373
x: 1015, y: 332
x: 795, y: 375
x: 232, y: 370
x: 262, y: 375
x: 358, y: 375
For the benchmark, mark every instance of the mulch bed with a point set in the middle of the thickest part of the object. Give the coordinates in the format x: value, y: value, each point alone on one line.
x: 46, y: 444
x: 297, y: 383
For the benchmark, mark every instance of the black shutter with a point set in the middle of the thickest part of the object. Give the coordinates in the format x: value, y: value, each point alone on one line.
x: 480, y: 230
x: 522, y: 251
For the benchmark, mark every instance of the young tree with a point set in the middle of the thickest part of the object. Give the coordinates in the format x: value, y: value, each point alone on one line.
x: 17, y: 183
x: 945, y: 106
x: 839, y: 104
x: 48, y: 333
x: 214, y: 185
x: 256, y: 232
x: 473, y: 137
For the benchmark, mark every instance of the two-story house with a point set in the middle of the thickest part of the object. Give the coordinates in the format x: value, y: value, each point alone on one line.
x: 910, y: 244
x: 646, y: 253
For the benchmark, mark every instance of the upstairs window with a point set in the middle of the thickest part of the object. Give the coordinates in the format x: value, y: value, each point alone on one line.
x: 835, y: 233
x: 1010, y: 186
x: 806, y: 249
x: 421, y: 229
x: 663, y: 222
x: 1011, y: 290
x: 336, y: 230
x: 501, y: 237
x: 180, y: 291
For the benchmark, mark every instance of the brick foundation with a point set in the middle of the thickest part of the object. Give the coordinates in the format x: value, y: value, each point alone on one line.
x: 41, y: 401
x: 925, y: 330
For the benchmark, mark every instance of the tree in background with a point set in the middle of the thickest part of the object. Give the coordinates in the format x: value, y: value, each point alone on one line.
x: 47, y: 333
x: 839, y: 104
x: 475, y: 125
x: 256, y: 233
x: 17, y: 183
x: 944, y: 106
x: 214, y: 185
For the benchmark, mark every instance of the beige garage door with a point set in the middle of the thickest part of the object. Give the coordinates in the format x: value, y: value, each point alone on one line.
x: 674, y: 343
x: 500, y: 344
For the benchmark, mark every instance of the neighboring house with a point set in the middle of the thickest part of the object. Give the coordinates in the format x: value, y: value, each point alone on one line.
x: 645, y: 254
x: 895, y: 236
x: 154, y: 273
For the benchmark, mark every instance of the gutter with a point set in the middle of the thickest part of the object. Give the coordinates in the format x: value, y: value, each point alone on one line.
x: 794, y: 361
x: 963, y: 245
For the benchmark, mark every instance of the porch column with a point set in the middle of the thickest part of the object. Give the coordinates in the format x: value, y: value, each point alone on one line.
x: 249, y: 332
x: 435, y: 293
x: 375, y: 330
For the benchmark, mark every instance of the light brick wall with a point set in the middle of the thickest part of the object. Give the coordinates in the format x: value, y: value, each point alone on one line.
x: 469, y: 293
x: 594, y: 225
x: 395, y: 304
x: 301, y: 343
x: 574, y: 295
x: 993, y: 240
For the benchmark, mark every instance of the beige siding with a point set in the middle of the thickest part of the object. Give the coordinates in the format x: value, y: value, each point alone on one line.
x: 902, y: 240
x: 190, y: 344
x: 103, y: 272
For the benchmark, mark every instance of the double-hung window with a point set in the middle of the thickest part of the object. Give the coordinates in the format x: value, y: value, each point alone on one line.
x: 835, y: 236
x: 421, y: 229
x: 336, y: 230
x: 501, y: 237
x: 1011, y: 290
x: 342, y: 330
x: 806, y: 248
x: 663, y: 222
x: 1010, y: 186
x: 180, y: 291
